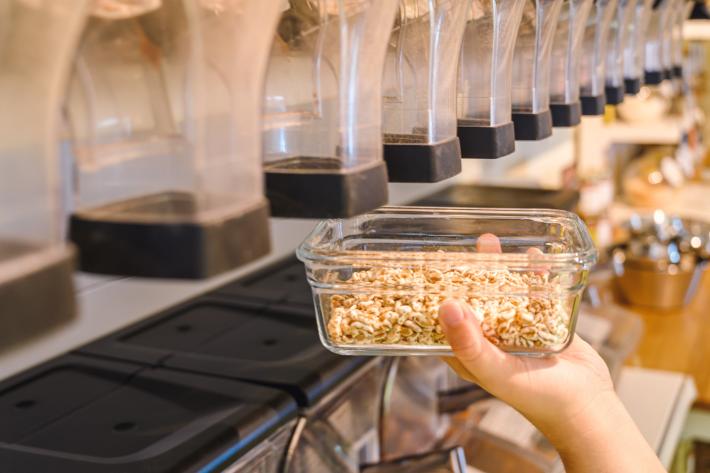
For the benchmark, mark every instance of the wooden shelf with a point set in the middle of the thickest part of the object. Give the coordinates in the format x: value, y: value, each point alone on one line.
x: 696, y: 30
x: 666, y: 131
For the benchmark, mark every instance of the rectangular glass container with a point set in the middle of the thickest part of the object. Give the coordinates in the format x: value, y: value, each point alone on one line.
x: 378, y: 279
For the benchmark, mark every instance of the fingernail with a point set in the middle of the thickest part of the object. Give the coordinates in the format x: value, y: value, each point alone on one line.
x: 451, y: 314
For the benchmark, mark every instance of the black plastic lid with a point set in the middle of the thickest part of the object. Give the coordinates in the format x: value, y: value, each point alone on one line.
x: 222, y: 337
x: 632, y: 86
x: 324, y: 192
x: 77, y: 414
x: 614, y: 94
x: 532, y: 126
x: 593, y: 105
x: 486, y: 142
x: 653, y: 77
x: 566, y: 114
x: 281, y: 282
x: 469, y: 195
x: 423, y: 162
x: 111, y: 240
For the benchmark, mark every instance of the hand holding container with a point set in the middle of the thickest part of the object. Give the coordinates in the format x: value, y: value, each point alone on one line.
x: 165, y: 111
x: 593, y: 60
x: 566, y: 51
x: 419, y: 92
x: 323, y: 130
x: 36, y: 265
x: 378, y: 279
x: 619, y: 36
x: 485, y: 126
x: 531, y: 69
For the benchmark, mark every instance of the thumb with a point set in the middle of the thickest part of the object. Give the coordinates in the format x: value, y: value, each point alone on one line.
x: 479, y: 356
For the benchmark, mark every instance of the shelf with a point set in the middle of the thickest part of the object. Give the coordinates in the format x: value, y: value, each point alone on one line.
x: 696, y: 30
x: 666, y: 131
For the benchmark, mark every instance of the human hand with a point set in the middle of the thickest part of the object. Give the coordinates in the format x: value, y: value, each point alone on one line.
x: 570, y: 397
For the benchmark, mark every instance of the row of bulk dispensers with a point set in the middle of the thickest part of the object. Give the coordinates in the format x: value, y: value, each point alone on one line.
x: 154, y: 138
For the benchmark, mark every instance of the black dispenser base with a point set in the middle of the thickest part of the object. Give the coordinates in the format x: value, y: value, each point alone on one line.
x: 632, y: 86
x: 566, y: 114
x: 614, y: 94
x: 486, y: 142
x: 423, y: 162
x: 653, y: 77
x: 325, y: 193
x: 678, y: 72
x: 593, y: 105
x: 38, y: 301
x: 532, y: 126
x: 115, y: 240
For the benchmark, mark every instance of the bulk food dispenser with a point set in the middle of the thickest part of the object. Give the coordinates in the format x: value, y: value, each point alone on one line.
x: 36, y: 265
x: 323, y: 135
x: 166, y: 127
x: 566, y: 50
x: 635, y: 48
x: 593, y: 59
x: 619, y: 35
x: 531, y: 69
x: 485, y: 125
x: 656, y: 40
x: 680, y: 15
x: 419, y: 91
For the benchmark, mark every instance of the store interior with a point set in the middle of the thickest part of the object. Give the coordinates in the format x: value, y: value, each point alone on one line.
x: 200, y: 200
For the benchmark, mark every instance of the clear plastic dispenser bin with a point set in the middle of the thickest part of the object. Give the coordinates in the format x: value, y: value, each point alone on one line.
x: 593, y: 58
x: 167, y: 142
x: 485, y: 126
x: 635, y: 47
x: 680, y: 15
x: 419, y: 95
x: 378, y: 279
x: 619, y: 36
x: 531, y: 69
x: 566, y: 52
x: 36, y: 265
x: 323, y: 152
x: 654, y: 67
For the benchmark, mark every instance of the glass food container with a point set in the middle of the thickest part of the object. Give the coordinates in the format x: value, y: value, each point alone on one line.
x: 166, y: 123
x: 323, y: 104
x: 485, y: 126
x: 566, y: 51
x: 593, y: 59
x: 378, y: 279
x: 656, y: 41
x: 36, y: 264
x: 619, y: 36
x: 450, y: 460
x: 635, y: 49
x: 531, y: 70
x: 419, y: 95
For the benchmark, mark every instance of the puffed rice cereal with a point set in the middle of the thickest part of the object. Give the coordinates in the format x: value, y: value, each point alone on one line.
x: 528, y: 319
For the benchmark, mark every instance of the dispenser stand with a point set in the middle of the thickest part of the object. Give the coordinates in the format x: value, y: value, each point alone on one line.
x: 323, y: 190
x: 130, y: 238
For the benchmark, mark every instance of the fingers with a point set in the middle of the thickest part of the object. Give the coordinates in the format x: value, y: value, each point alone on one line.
x: 482, y: 360
x: 459, y: 369
x: 540, y: 269
x: 488, y: 243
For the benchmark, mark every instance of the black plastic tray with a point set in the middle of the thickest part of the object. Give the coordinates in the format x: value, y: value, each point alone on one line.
x: 249, y: 342
x: 79, y: 414
x: 501, y: 197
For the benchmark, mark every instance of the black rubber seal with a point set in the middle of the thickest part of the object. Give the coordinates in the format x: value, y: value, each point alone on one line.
x: 614, y: 94
x: 326, y: 194
x: 632, y: 86
x: 486, y: 142
x: 653, y: 77
x: 678, y: 72
x: 593, y: 105
x: 423, y: 162
x: 532, y: 126
x: 186, y: 250
x: 566, y: 114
